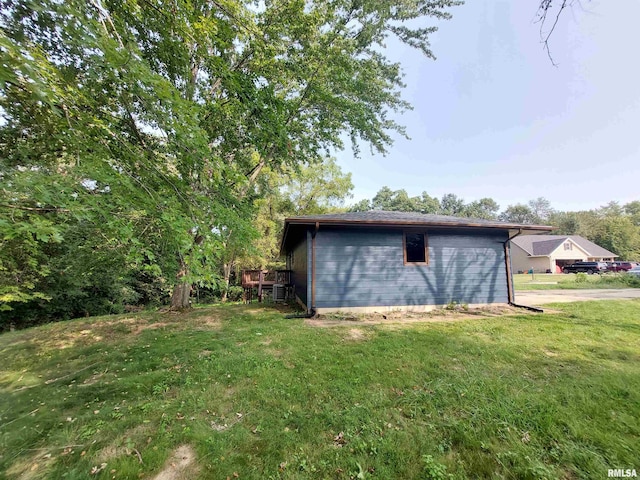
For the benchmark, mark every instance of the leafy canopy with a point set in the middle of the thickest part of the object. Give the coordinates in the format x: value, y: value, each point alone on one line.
x: 149, y: 122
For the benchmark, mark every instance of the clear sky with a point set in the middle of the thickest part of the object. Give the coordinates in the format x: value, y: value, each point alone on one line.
x: 494, y: 118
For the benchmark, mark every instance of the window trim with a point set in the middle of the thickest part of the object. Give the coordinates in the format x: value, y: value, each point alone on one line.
x: 425, y: 236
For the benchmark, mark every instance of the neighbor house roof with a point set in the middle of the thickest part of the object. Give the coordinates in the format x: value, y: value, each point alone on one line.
x: 542, y: 245
x: 404, y: 219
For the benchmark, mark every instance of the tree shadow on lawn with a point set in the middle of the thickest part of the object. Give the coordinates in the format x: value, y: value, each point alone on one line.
x: 501, y: 395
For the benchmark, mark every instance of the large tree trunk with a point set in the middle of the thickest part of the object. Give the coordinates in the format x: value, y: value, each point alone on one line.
x: 181, y: 292
x: 226, y: 271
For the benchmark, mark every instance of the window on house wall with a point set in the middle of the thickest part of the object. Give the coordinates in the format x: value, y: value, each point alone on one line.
x: 416, y: 249
x: 568, y: 246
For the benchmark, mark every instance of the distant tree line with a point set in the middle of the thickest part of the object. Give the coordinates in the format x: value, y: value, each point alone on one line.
x: 615, y: 227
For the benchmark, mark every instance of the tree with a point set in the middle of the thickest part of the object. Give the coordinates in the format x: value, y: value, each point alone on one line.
x: 612, y: 227
x: 618, y: 234
x: 310, y: 189
x: 566, y: 223
x: 315, y: 188
x: 451, y: 204
x: 548, y: 16
x: 518, y: 213
x: 398, y: 201
x: 363, y: 205
x: 174, y: 110
x: 485, y: 208
x: 541, y: 208
x: 633, y: 210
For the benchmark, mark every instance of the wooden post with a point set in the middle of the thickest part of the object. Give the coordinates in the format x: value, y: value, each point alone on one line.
x: 260, y: 280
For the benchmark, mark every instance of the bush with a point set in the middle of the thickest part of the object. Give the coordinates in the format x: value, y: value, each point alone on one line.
x: 581, y: 277
x: 631, y: 280
x: 621, y: 279
x: 235, y: 293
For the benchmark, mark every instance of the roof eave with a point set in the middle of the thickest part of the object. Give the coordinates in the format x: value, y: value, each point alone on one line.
x: 401, y: 223
x: 523, y: 229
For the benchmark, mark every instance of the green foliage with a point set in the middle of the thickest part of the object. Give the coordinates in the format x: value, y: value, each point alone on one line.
x: 450, y: 204
x: 574, y: 282
x: 434, y: 470
x: 541, y: 209
x: 485, y: 208
x: 581, y: 277
x: 399, y: 200
x: 149, y: 125
x: 519, y: 213
x: 612, y: 227
x: 317, y: 188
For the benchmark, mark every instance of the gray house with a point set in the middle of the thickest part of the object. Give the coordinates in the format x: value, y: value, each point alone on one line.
x: 382, y: 261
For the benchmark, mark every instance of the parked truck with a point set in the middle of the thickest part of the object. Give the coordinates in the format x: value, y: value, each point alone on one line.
x: 586, y: 267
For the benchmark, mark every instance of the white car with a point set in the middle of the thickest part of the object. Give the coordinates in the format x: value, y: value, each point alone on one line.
x: 634, y: 271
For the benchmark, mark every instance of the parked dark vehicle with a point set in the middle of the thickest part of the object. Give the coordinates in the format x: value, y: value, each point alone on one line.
x: 620, y: 266
x: 587, y: 267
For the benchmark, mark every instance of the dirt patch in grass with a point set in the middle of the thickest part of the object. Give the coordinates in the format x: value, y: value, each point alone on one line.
x: 274, y: 352
x: 93, y: 379
x: 111, y: 452
x: 203, y: 323
x: 356, y: 335
x: 139, y: 328
x: 180, y: 466
x: 35, y: 466
x: 438, y: 315
x: 136, y: 437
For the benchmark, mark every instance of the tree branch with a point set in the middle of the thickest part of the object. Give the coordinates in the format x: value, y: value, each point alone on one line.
x: 36, y: 209
x: 543, y: 9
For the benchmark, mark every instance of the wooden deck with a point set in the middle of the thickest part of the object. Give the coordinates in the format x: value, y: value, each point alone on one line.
x: 264, y: 280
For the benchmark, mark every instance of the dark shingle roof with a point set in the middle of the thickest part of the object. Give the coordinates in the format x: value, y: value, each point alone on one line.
x: 404, y: 218
x: 545, y: 247
x: 294, y: 227
x: 545, y: 244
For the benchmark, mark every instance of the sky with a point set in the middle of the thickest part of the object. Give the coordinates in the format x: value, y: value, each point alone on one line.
x: 493, y: 117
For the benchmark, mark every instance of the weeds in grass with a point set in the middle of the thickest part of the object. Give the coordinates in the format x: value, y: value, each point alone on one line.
x: 575, y: 281
x: 434, y: 470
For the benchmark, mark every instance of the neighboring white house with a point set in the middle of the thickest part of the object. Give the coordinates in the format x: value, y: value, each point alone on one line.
x: 549, y: 253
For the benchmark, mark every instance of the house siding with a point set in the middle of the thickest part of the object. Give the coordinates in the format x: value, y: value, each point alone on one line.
x: 300, y: 270
x: 364, y: 267
x: 521, y: 261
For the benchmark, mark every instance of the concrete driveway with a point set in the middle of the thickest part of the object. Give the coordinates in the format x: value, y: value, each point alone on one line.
x: 540, y: 297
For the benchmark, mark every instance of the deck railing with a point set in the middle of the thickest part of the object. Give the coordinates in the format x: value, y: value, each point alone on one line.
x: 263, y: 280
x: 254, y: 278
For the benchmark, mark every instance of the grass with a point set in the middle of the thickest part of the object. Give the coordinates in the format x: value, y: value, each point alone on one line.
x: 260, y: 396
x: 548, y: 281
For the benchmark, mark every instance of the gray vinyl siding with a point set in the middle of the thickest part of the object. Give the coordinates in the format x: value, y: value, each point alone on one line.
x: 364, y: 267
x: 300, y: 270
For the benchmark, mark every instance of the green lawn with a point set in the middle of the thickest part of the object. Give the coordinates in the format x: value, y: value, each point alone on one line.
x: 259, y: 396
x: 548, y: 281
